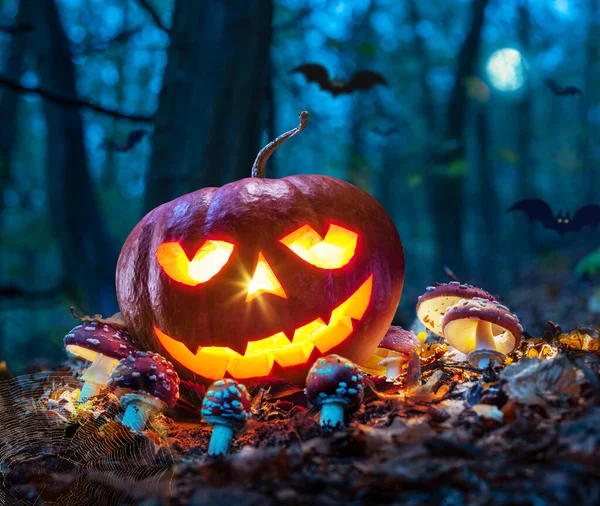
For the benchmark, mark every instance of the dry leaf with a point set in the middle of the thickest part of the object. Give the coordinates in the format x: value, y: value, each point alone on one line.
x: 580, y: 340
x: 115, y: 320
x: 532, y: 381
x: 489, y: 412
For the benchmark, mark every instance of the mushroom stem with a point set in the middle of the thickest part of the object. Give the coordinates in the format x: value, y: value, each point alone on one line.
x: 137, y: 410
x: 88, y: 390
x: 394, y: 368
x: 393, y: 365
x: 258, y: 169
x: 413, y: 370
x: 332, y: 413
x: 96, y: 376
x: 484, y: 338
x: 219, y: 440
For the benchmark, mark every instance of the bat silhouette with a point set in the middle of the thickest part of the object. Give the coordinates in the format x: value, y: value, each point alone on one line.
x: 559, y: 91
x: 134, y: 138
x: 361, y: 80
x: 539, y: 210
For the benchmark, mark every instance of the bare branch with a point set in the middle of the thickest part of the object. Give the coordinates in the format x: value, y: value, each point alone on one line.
x: 15, y: 292
x: 144, y: 4
x: 74, y: 102
x: 15, y: 29
x: 101, y: 46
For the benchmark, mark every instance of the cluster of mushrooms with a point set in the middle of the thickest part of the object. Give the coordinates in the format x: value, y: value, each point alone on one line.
x: 472, y: 321
x: 469, y: 318
x: 146, y: 383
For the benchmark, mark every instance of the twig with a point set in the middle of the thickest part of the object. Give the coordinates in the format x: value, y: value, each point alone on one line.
x: 450, y: 273
x: 15, y: 292
x: 102, y: 46
x: 445, y: 365
x: 144, y: 4
x: 71, y: 101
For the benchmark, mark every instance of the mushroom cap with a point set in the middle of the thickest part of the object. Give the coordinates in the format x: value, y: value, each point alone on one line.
x: 146, y: 373
x: 226, y: 401
x: 399, y: 340
x: 460, y: 325
x: 91, y: 338
x: 432, y: 305
x: 335, y: 378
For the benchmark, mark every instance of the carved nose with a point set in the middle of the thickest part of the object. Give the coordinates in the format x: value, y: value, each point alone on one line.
x: 264, y: 281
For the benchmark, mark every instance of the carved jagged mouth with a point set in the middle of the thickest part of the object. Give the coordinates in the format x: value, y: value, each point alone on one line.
x: 213, y: 362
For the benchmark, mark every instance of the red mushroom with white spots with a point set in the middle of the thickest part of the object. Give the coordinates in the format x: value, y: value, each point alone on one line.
x: 226, y: 407
x: 145, y: 383
x: 483, y: 330
x: 103, y: 345
x: 432, y: 305
x: 336, y: 386
x: 400, y: 345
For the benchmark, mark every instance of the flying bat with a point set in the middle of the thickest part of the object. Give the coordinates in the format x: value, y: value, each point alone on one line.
x: 539, y: 210
x: 559, y: 91
x: 134, y: 138
x: 362, y: 80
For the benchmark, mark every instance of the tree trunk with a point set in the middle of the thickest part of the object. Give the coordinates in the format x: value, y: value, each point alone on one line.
x: 488, y: 207
x: 208, y: 124
x: 9, y: 102
x: 446, y: 189
x: 526, y: 180
x: 88, y: 255
x: 525, y: 233
x: 590, y: 96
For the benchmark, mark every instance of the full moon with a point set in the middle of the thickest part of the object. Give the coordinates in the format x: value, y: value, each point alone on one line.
x: 506, y: 69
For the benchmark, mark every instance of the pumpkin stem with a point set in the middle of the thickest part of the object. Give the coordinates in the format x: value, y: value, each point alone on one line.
x: 258, y: 169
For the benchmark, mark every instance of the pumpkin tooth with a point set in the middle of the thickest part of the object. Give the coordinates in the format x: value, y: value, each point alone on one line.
x: 289, y: 333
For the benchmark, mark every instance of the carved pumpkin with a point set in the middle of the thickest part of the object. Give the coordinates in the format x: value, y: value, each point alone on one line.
x: 262, y: 276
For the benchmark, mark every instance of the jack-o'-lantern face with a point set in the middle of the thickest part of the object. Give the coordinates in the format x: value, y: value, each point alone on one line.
x: 334, y: 251
x: 262, y: 276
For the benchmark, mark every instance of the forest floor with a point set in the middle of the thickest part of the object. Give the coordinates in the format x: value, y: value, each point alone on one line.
x: 524, y: 434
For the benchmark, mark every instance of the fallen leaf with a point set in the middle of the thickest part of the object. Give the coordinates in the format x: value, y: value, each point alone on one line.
x: 532, y: 381
x: 489, y: 412
x: 580, y: 340
x: 115, y: 320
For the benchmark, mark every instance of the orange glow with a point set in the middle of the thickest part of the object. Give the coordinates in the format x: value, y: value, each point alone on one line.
x: 332, y: 252
x: 207, y: 261
x: 264, y: 281
x: 213, y: 362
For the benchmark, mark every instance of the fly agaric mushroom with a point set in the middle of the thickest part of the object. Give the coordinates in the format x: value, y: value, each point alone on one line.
x: 225, y: 408
x: 145, y: 383
x: 103, y: 345
x: 400, y: 346
x: 432, y: 305
x: 483, y: 330
x: 336, y: 385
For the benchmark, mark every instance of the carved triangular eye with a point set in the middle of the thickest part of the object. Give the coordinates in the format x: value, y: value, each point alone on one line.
x: 333, y: 251
x: 207, y: 261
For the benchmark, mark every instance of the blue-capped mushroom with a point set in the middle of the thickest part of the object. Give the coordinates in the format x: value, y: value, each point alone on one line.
x: 336, y: 386
x: 226, y: 408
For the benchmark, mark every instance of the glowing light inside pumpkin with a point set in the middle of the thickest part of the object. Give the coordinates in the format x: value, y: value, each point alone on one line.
x: 332, y: 252
x: 207, y: 261
x: 264, y: 281
x: 213, y: 362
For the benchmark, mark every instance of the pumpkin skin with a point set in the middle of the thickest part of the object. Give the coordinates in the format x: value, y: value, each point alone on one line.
x: 262, y: 276
x: 254, y: 214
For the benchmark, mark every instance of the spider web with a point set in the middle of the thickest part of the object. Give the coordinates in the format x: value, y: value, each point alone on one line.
x: 52, y: 453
